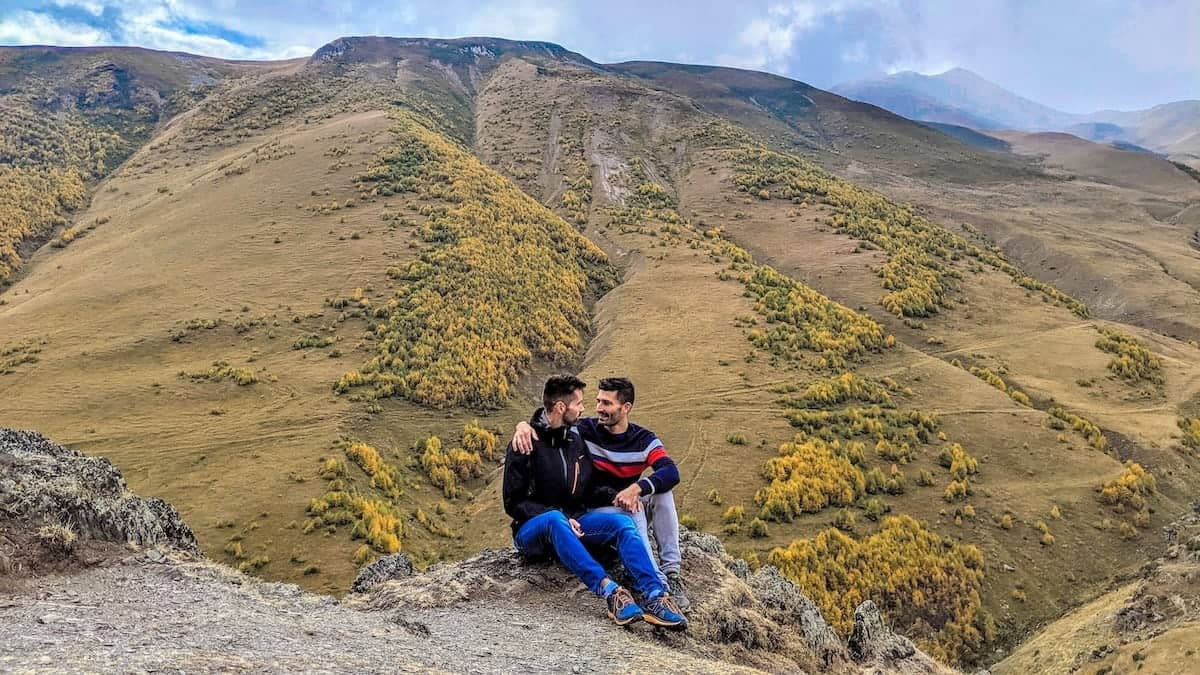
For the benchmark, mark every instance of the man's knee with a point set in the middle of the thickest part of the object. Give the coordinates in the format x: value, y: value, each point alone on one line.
x: 556, y: 520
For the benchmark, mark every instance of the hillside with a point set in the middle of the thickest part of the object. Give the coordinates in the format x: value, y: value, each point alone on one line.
x: 284, y: 293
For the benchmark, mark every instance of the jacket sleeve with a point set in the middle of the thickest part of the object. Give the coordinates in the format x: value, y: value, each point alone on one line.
x: 518, y: 486
x: 600, y: 495
x: 665, y: 476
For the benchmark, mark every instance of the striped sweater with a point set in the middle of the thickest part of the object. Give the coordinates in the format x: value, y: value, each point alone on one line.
x: 620, y: 459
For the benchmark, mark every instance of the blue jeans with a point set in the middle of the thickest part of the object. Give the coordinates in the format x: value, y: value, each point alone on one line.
x: 550, y: 532
x: 660, y: 509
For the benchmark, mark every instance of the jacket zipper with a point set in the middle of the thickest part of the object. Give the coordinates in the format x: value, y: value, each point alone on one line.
x: 562, y: 454
x: 575, y: 483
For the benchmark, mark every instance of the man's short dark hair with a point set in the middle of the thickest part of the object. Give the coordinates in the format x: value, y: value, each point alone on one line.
x: 561, y: 388
x: 621, y: 385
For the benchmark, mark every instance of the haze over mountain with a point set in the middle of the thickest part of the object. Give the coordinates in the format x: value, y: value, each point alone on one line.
x: 306, y: 301
x: 962, y: 98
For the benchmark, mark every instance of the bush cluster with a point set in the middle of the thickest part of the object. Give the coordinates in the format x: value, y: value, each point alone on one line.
x: 16, y: 354
x: 382, y: 474
x: 833, y: 391
x: 809, y: 475
x: 1129, y: 490
x: 1060, y: 418
x: 447, y: 469
x: 903, y: 426
x: 480, y: 441
x: 1190, y: 426
x: 221, y: 370
x: 802, y: 320
x: 929, y: 586
x: 503, y: 280
x: 960, y: 463
x: 1133, y: 361
x: 374, y: 520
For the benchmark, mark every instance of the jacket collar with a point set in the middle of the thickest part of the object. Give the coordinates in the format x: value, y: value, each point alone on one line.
x: 553, y: 437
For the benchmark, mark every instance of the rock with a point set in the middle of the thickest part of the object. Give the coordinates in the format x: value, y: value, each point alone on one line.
x: 871, y: 638
x: 48, y: 482
x: 790, y: 605
x: 395, y: 566
x: 701, y: 540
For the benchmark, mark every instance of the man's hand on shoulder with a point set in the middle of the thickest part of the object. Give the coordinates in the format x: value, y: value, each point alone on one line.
x: 523, y: 438
x: 630, y: 498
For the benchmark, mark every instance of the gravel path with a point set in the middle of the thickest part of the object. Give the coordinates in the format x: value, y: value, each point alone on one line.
x: 153, y: 613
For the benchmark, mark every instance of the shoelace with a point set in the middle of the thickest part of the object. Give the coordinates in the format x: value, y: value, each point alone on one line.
x: 622, y: 598
x: 667, y: 601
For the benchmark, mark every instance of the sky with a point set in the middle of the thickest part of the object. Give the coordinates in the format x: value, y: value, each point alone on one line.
x: 1075, y: 55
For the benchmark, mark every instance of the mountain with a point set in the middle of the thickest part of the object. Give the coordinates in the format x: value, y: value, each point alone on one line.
x: 307, y: 304
x: 963, y: 98
x: 957, y: 96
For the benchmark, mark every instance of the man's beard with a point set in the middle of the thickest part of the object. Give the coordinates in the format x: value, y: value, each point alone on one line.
x: 570, y: 418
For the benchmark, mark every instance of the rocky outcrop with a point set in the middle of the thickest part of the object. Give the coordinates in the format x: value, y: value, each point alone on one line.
x: 45, y: 483
x: 395, y: 566
x: 757, y: 619
x: 873, y: 639
x: 164, y: 606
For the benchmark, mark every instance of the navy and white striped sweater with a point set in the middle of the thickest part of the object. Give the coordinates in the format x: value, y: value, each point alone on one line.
x: 620, y: 459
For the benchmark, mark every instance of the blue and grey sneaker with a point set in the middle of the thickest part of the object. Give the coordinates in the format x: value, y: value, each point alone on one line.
x: 622, y: 609
x: 662, y: 611
x: 678, y: 591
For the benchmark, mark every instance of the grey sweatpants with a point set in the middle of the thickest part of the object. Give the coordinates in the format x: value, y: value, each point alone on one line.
x: 658, y: 511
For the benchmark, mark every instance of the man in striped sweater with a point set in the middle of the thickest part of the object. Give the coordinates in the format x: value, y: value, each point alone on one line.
x: 621, y: 452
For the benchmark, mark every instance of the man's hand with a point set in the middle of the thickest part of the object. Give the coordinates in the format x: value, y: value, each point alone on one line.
x: 523, y: 438
x: 630, y: 498
x: 576, y: 527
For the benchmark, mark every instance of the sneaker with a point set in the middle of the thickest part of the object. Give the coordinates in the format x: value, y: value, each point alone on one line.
x: 622, y: 609
x: 662, y: 611
x: 678, y: 591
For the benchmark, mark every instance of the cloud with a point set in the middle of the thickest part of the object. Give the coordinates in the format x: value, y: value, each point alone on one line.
x: 33, y: 28
x: 521, y: 20
x: 1160, y: 36
x: 767, y: 41
x: 171, y: 25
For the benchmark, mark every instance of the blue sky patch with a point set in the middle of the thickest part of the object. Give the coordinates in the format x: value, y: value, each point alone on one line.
x: 191, y: 27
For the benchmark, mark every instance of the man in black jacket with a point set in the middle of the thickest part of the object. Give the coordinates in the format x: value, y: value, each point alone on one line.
x: 547, y: 494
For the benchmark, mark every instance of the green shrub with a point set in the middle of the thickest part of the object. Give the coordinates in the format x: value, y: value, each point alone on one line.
x: 758, y: 528
x: 221, y: 370
x: 311, y: 341
x: 734, y: 514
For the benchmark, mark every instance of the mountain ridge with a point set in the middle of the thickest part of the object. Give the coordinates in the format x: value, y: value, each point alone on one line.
x: 959, y: 96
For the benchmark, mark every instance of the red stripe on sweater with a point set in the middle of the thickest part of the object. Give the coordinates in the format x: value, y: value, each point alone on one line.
x: 622, y: 470
x: 655, y: 455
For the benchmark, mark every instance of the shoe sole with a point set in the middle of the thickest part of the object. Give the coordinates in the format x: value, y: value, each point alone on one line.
x: 626, y: 622
x: 663, y: 623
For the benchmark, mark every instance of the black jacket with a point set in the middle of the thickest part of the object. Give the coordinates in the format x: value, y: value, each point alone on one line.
x: 557, y: 475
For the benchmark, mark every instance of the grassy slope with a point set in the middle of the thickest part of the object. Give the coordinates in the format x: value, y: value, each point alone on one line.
x: 212, y: 232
